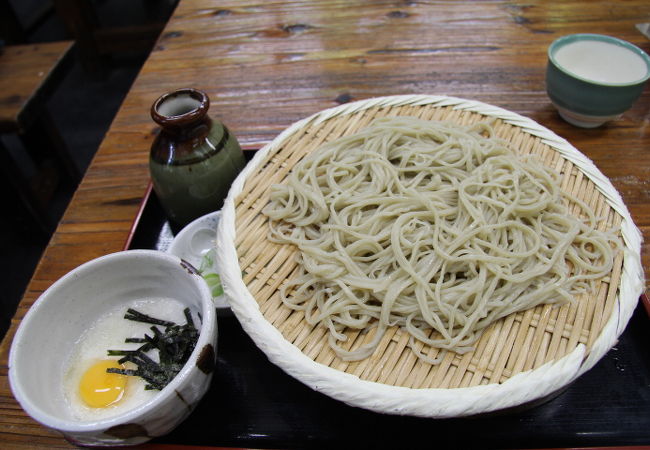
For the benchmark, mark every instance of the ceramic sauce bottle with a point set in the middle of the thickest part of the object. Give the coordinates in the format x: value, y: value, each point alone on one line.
x: 194, y: 159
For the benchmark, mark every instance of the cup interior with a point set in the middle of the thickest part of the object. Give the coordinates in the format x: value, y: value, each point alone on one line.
x: 44, y: 342
x: 600, y: 59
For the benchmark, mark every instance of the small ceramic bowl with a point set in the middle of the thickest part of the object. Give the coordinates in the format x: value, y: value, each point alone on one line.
x: 592, y: 79
x: 40, y: 355
x: 195, y: 244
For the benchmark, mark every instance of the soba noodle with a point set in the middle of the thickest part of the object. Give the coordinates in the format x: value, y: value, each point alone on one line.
x: 436, y: 228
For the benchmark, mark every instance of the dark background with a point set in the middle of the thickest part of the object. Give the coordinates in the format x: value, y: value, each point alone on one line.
x: 83, y: 106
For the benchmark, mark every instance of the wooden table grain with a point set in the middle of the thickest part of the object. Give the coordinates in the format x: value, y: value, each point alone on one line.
x: 267, y: 64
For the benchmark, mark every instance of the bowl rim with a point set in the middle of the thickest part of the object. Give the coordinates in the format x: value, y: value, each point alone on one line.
x: 570, y: 38
x: 208, y: 328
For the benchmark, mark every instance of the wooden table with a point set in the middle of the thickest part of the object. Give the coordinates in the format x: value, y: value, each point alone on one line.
x: 268, y: 64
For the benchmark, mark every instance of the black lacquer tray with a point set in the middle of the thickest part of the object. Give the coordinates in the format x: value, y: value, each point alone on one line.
x: 253, y: 403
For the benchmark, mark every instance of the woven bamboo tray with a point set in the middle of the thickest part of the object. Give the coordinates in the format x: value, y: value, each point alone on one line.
x: 521, y: 358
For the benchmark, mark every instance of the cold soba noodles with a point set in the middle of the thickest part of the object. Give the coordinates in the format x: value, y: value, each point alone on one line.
x: 429, y: 226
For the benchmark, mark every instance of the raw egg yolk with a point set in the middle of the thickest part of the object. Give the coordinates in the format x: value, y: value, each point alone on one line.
x: 99, y: 388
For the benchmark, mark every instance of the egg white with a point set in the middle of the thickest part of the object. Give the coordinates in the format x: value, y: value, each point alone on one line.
x: 109, y: 333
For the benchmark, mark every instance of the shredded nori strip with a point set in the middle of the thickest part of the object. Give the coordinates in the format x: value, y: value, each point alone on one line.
x: 132, y: 314
x: 174, y: 345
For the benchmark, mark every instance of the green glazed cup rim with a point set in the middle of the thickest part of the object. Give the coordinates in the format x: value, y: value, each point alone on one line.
x: 564, y: 40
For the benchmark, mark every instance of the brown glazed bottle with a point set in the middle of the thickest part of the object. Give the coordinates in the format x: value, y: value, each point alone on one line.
x: 194, y: 159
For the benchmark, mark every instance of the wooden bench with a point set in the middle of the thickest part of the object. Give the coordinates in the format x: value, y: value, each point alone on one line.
x: 29, y: 74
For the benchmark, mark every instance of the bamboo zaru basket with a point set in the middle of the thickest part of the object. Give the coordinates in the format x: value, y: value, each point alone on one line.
x: 521, y: 358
